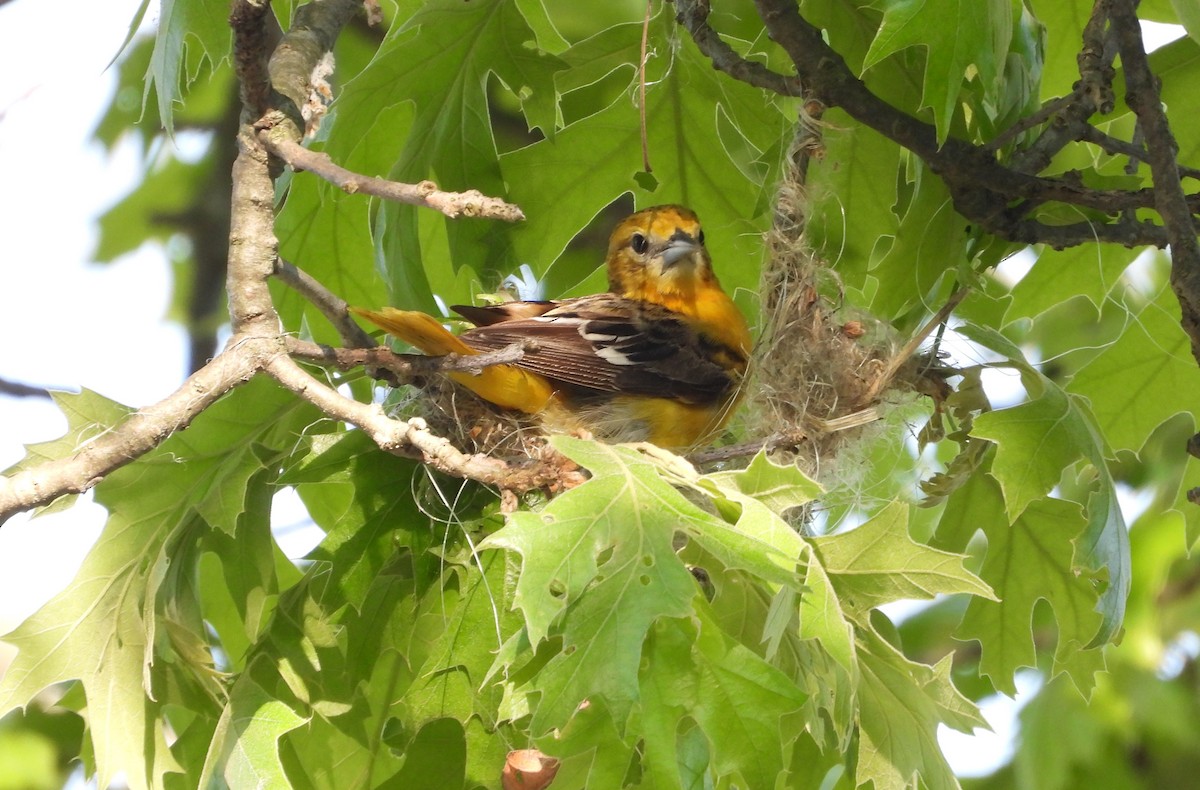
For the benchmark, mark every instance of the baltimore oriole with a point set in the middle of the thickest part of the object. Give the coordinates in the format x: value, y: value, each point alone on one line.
x: 659, y: 358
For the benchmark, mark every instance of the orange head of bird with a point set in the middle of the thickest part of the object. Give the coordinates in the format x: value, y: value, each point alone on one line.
x: 658, y: 255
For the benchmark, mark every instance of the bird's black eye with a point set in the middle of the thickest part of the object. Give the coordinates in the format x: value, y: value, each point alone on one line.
x: 640, y: 244
x: 700, y: 237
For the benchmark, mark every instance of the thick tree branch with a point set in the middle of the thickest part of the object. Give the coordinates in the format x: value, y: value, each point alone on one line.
x: 315, y: 27
x: 472, y: 203
x: 250, y: 51
x: 140, y: 433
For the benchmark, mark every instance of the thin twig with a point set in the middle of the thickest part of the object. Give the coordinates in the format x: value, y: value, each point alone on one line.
x: 693, y: 15
x: 642, y: 89
x: 472, y: 203
x: 1029, y: 121
x: 775, y: 441
x: 910, y: 348
x: 1093, y: 93
x: 332, y: 306
x: 404, y: 366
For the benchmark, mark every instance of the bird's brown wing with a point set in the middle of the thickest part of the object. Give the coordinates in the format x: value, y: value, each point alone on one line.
x: 609, y: 344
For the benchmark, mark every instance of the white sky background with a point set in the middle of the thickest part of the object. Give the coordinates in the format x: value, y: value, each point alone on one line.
x: 67, y: 322
x: 63, y: 321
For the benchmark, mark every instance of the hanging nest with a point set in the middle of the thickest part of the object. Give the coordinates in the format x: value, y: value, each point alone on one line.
x: 821, y: 373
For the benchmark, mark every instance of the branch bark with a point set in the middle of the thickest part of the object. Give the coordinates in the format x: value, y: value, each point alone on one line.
x: 472, y: 203
x: 140, y: 433
x: 332, y: 306
x: 404, y: 367
x: 1142, y: 96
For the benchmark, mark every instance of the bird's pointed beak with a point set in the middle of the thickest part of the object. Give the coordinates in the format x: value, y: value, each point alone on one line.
x: 679, y: 247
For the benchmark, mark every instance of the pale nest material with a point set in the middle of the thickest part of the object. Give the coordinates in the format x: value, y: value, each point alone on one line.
x: 820, y: 373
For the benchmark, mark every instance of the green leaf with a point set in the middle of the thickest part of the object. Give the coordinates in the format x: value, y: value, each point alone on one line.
x: 1087, y: 270
x: 246, y: 743
x: 878, y: 562
x: 827, y: 631
x: 88, y: 414
x: 593, y: 753
x: 478, y: 620
x: 437, y: 757
x: 737, y: 699
x: 759, y: 540
x: 1189, y: 17
x: 1143, y: 379
x: 777, y: 487
x: 176, y: 61
x: 853, y: 194
x: 901, y: 704
x: 1064, y: 21
x: 564, y: 183
x: 931, y: 239
x: 1030, y: 560
x: 326, y: 233
x: 350, y: 489
x: 439, y: 63
x: 599, y: 561
x: 1035, y: 442
x: 28, y: 759
x: 956, y: 34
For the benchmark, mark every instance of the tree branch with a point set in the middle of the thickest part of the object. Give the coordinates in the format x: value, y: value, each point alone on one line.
x: 472, y: 203
x: 16, y: 389
x: 140, y: 433
x: 693, y: 15
x: 1141, y: 94
x: 1093, y: 93
x: 405, y: 367
x: 315, y: 27
x: 332, y: 306
x: 403, y: 437
x: 250, y: 51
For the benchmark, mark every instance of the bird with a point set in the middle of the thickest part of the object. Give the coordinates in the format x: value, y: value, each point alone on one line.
x: 659, y: 358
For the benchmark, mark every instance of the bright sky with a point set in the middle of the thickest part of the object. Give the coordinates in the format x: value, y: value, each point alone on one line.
x: 66, y: 322
x: 70, y: 323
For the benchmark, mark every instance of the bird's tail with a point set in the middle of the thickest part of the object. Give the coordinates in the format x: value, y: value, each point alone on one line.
x: 506, y: 386
x: 417, y: 329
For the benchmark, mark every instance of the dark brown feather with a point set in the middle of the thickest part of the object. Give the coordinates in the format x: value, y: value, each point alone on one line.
x: 505, y: 311
x: 608, y: 344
